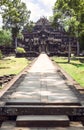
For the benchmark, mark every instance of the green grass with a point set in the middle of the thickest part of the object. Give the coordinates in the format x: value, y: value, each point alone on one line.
x: 75, y: 68
x: 12, y: 65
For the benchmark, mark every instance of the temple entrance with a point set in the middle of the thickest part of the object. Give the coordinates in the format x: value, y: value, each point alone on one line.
x: 42, y: 48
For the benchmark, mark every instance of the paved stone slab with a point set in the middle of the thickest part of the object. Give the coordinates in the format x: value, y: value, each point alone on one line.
x: 29, y: 128
x: 7, y: 128
x: 27, y: 83
x: 8, y: 125
x: 42, y: 120
x: 23, y: 101
x: 43, y: 64
x: 44, y: 84
x: 2, y: 104
x: 43, y: 117
x: 68, y: 128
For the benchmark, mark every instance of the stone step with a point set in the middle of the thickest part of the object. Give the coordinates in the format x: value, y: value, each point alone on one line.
x: 11, y: 125
x: 14, y: 110
x: 42, y: 121
x: 37, y: 102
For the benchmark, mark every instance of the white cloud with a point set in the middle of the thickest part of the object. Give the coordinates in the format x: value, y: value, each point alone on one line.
x: 39, y: 8
x: 48, y: 3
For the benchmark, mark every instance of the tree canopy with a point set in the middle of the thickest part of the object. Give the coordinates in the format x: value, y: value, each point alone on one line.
x: 15, y: 16
x: 5, y: 38
x: 70, y: 13
x: 29, y: 26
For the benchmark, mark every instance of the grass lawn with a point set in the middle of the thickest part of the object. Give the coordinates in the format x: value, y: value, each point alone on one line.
x: 12, y: 65
x: 75, y: 68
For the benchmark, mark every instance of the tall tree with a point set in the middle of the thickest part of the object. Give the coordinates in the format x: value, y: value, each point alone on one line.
x: 70, y: 13
x: 15, y: 15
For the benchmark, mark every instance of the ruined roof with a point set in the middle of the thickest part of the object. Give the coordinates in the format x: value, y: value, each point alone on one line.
x: 43, y: 21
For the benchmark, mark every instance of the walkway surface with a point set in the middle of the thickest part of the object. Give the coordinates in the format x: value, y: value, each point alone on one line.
x: 44, y: 84
x: 37, y: 92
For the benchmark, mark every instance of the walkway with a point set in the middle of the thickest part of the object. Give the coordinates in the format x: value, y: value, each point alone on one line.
x: 41, y: 98
x: 43, y: 84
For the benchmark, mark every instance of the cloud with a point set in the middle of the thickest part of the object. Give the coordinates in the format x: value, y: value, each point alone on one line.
x: 48, y: 3
x: 39, y: 8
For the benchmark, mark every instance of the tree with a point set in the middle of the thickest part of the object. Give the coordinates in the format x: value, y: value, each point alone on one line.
x: 2, y: 2
x: 74, y: 20
x: 29, y: 26
x: 15, y: 16
x: 5, y: 38
x: 1, y: 55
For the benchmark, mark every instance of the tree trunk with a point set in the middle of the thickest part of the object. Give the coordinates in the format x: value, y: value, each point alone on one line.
x: 77, y: 48
x: 15, y: 32
x: 15, y: 42
x: 69, y: 52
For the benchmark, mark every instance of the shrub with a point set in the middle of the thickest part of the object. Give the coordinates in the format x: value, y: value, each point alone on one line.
x: 1, y: 55
x: 20, y: 50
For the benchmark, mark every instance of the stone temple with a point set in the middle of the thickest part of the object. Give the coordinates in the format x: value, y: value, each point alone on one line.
x: 44, y: 38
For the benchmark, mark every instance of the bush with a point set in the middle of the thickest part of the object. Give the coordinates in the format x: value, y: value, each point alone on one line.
x: 1, y: 55
x: 20, y: 50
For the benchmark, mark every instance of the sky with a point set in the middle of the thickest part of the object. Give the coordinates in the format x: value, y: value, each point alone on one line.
x: 38, y: 8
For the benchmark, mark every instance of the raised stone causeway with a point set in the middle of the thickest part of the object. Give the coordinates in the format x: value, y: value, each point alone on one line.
x: 42, y: 98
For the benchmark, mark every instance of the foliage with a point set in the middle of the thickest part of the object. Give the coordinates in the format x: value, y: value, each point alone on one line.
x: 20, y: 50
x: 20, y: 35
x: 29, y: 26
x: 70, y: 13
x: 75, y: 69
x: 15, y: 15
x: 2, y: 2
x: 1, y: 55
x: 5, y: 38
